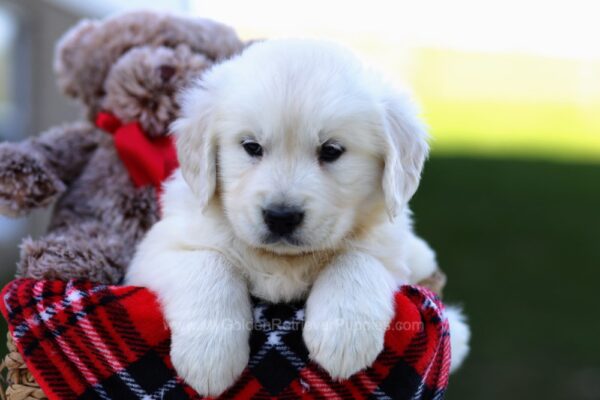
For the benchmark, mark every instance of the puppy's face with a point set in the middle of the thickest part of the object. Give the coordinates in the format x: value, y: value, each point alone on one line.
x: 302, y: 143
x: 293, y: 177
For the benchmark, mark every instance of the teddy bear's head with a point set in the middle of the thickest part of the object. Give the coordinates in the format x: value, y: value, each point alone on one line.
x: 134, y: 64
x: 143, y: 85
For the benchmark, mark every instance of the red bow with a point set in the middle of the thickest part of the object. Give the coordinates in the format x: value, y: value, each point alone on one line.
x: 148, y: 161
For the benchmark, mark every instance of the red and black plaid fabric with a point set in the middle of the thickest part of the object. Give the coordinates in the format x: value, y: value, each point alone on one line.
x: 88, y: 341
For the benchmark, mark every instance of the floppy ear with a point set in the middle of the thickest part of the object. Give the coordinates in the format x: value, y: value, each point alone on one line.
x: 196, y: 144
x: 405, y: 138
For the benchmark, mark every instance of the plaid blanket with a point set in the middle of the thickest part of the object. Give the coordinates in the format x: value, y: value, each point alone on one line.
x: 88, y: 341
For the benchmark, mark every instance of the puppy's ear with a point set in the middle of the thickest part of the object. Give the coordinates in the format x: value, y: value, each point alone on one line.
x: 405, y: 138
x: 196, y: 143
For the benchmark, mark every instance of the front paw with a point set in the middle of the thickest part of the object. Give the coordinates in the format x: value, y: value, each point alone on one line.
x: 25, y: 183
x: 343, y: 346
x: 209, y: 360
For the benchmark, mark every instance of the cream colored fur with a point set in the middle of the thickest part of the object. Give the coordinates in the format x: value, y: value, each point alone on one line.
x: 355, y: 245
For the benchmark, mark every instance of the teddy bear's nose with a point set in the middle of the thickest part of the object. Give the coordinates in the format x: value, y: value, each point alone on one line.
x: 166, y: 72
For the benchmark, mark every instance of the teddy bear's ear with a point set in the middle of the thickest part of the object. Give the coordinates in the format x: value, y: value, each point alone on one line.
x: 86, y: 54
x: 70, y: 57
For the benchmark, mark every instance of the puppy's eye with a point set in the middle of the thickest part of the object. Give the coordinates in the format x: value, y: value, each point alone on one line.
x: 252, y: 148
x: 330, y: 151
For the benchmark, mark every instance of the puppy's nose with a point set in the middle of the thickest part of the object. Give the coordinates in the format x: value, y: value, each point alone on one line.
x: 282, y: 220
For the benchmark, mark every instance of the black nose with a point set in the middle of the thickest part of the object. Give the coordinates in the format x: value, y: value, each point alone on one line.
x: 282, y: 220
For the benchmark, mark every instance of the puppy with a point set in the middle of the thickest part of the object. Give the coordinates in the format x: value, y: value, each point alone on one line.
x: 297, y: 164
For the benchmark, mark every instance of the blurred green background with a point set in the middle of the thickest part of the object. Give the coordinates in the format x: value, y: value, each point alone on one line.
x: 510, y: 198
x: 518, y: 239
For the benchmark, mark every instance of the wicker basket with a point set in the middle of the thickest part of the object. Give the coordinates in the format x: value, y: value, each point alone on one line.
x: 17, y: 382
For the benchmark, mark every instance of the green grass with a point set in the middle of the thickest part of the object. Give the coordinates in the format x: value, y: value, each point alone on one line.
x: 520, y: 241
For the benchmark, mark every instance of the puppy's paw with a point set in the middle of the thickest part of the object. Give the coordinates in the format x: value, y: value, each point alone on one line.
x: 343, y: 346
x: 209, y: 360
x: 348, y: 312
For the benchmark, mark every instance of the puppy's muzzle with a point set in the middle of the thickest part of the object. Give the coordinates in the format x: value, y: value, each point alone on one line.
x: 282, y: 220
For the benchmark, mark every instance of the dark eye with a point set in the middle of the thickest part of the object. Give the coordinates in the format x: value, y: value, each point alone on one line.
x: 330, y: 151
x: 252, y: 148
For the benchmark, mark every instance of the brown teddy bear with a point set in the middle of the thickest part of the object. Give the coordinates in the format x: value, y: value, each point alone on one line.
x: 128, y: 69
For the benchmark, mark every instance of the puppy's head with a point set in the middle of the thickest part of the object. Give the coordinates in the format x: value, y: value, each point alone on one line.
x: 305, y: 145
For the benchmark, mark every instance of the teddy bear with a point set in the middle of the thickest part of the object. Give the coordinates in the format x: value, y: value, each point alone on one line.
x: 126, y: 71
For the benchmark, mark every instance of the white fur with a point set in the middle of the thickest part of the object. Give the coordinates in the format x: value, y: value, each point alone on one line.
x: 460, y: 334
x: 355, y: 244
x: 347, y: 313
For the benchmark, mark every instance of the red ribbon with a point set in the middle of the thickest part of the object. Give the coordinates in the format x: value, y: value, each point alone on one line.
x: 149, y: 161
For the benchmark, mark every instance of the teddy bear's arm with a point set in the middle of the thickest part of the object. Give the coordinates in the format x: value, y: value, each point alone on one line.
x: 36, y: 171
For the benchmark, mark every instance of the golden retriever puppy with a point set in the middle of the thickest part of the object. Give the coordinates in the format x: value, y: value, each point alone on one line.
x: 297, y: 163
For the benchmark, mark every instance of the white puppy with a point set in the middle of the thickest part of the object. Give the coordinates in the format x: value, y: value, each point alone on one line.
x: 297, y: 164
